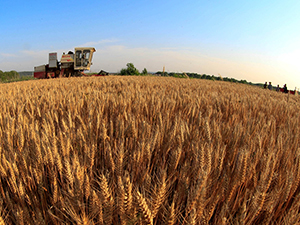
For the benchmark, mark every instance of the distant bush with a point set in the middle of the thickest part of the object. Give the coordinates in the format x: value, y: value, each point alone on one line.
x: 161, y: 73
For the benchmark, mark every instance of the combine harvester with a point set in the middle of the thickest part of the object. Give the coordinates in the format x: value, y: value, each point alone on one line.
x: 70, y: 65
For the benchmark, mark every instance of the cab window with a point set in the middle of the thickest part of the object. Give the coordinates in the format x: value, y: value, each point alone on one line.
x: 78, y: 58
x: 85, y: 57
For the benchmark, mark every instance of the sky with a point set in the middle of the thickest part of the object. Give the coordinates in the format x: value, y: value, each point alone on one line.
x: 255, y: 40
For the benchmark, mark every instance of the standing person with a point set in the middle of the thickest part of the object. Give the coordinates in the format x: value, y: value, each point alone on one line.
x: 270, y: 86
x: 265, y: 85
x: 285, y: 90
x: 277, y: 88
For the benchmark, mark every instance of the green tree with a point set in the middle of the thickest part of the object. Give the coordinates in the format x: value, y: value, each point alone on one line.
x: 144, y: 72
x: 131, y: 70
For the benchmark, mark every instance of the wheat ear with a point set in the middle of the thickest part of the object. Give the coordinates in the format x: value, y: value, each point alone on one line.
x: 144, y: 208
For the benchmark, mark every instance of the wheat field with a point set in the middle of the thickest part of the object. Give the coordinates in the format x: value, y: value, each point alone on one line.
x: 147, y: 150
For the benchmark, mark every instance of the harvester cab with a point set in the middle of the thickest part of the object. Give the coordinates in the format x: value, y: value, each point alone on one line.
x: 83, y: 58
x: 81, y: 61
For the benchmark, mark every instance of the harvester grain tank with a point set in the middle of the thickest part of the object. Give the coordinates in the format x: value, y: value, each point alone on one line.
x: 70, y: 64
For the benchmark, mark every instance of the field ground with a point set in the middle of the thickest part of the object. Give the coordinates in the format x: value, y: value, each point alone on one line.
x: 147, y: 150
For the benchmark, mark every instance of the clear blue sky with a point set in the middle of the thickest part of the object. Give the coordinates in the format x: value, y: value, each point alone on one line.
x: 255, y: 40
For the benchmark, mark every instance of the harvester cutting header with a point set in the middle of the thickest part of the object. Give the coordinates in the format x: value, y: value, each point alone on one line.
x: 70, y: 64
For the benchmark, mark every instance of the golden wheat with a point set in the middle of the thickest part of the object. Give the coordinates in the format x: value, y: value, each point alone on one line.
x: 147, y: 150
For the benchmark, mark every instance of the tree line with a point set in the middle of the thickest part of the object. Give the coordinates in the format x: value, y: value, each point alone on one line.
x: 131, y: 70
x: 9, y: 76
x: 201, y: 76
